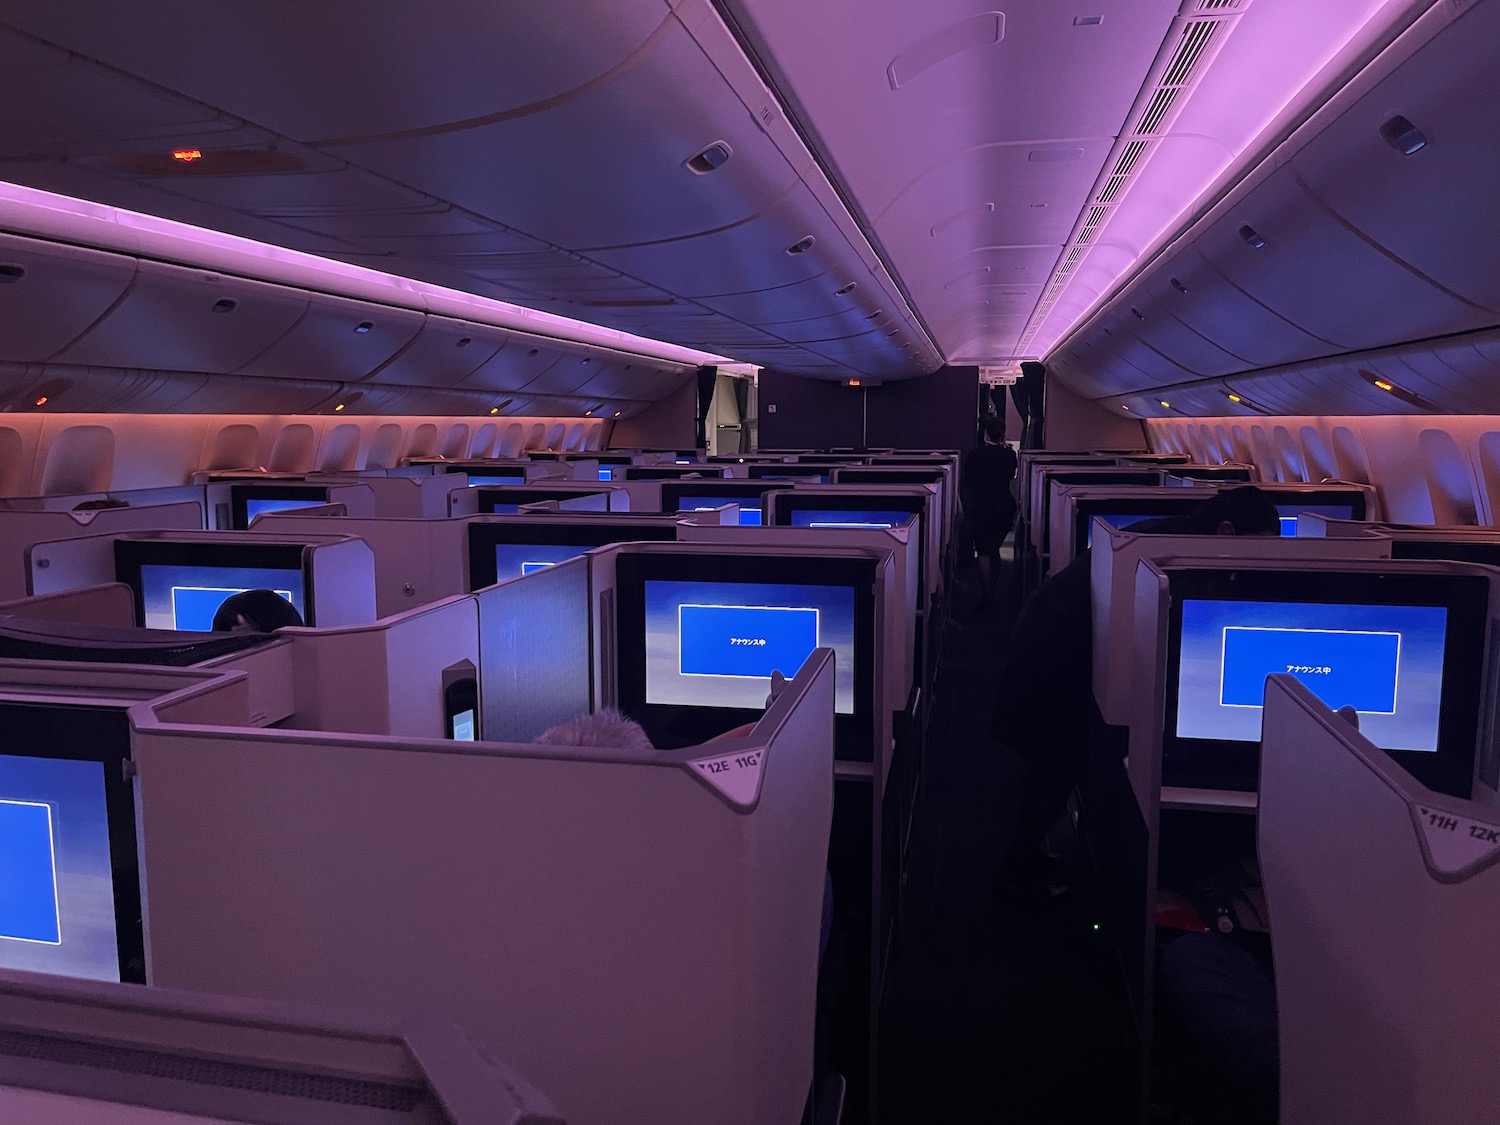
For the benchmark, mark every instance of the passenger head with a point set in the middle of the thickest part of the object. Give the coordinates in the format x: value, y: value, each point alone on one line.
x: 102, y: 502
x: 255, y: 611
x: 994, y: 430
x: 1236, y: 511
x: 605, y: 728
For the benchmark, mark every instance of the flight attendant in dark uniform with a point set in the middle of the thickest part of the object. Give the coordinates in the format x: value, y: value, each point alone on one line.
x: 986, y: 476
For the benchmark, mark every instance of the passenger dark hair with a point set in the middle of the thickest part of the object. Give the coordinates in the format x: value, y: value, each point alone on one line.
x: 256, y: 611
x: 103, y: 502
x: 994, y: 429
x: 1247, y: 510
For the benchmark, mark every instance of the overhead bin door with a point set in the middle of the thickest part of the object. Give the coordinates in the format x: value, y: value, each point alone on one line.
x: 178, y: 319
x: 1433, y: 208
x: 1309, y: 254
x: 50, y: 294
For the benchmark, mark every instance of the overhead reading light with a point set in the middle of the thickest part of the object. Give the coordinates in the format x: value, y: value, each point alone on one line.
x: 187, y: 155
x: 226, y: 305
x: 363, y: 326
x: 843, y: 292
x: 1402, y: 135
x: 463, y: 342
x: 534, y: 351
x: 494, y: 410
x: 1165, y: 403
x: 11, y: 273
x: 1135, y: 312
x: 802, y: 245
x: 1087, y: 21
x: 618, y: 413
x: 341, y: 406
x: 1124, y: 408
x: 1234, y: 397
x: 1411, y: 398
x: 1177, y: 285
x: 1249, y: 235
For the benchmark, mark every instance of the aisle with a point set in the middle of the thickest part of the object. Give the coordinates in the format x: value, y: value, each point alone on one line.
x: 992, y: 1014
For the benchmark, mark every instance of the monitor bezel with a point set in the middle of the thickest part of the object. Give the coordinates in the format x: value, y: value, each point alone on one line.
x: 788, y: 471
x: 241, y: 494
x: 486, y: 496
x: 674, y: 725
x: 132, y: 554
x: 1224, y: 764
x: 89, y: 733
x: 1446, y: 550
x: 485, y: 535
x: 674, y: 492
x: 781, y: 505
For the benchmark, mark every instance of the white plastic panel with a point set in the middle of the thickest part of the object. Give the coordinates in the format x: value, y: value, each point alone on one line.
x: 167, y: 320
x: 337, y: 338
x: 62, y: 291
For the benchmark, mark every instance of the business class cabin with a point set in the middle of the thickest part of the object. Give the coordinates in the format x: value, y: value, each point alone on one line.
x: 739, y: 562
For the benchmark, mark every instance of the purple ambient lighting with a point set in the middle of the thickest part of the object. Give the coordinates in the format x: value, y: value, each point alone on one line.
x: 48, y: 215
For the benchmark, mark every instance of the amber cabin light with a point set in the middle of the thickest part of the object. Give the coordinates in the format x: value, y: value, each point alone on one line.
x: 187, y: 155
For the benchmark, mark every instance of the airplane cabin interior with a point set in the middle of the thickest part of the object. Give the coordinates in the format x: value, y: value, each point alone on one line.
x: 735, y: 562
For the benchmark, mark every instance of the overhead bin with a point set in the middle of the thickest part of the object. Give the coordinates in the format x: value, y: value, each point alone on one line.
x: 516, y: 365
x: 1147, y: 314
x: 1308, y: 254
x: 245, y: 394
x: 443, y: 353
x: 177, y: 319
x: 50, y: 294
x: 337, y: 338
x: 1430, y: 209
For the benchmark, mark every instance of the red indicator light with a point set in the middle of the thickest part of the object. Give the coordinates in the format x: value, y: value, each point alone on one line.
x: 187, y: 155
x: 42, y: 401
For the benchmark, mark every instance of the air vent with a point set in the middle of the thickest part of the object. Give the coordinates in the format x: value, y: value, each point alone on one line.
x: 1218, y: 5
x: 1195, y: 40
x: 1156, y: 110
x: 1177, y: 285
x: 225, y: 305
x: 1091, y: 225
x: 846, y: 290
x: 363, y: 327
x: 11, y: 273
x: 463, y: 341
x: 802, y: 245
x: 1249, y: 235
x: 715, y: 156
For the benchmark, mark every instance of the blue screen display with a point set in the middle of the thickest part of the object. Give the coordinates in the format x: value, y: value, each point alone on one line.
x: 749, y: 516
x: 811, y: 517
x: 715, y: 644
x: 496, y: 478
x: 513, y: 560
x: 254, y: 508
x: 606, y: 474
x: 57, y: 907
x: 186, y: 597
x: 1289, y: 513
x: 1384, y: 661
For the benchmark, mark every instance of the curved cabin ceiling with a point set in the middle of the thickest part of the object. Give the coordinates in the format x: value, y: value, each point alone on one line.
x: 841, y: 188
x: 619, y: 163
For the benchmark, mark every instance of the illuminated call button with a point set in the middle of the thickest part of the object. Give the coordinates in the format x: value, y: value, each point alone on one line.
x: 28, y: 874
x: 744, y: 640
x: 1342, y: 667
